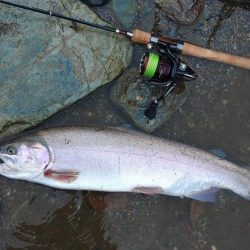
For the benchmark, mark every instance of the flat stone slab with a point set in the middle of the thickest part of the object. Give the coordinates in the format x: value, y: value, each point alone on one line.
x: 47, y: 63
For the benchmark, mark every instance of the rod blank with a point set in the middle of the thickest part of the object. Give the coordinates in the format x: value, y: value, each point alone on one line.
x: 50, y: 13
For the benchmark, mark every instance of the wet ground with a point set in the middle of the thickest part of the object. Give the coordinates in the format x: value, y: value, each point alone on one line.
x: 216, y: 115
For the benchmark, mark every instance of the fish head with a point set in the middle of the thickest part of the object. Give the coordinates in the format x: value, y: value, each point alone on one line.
x: 23, y: 160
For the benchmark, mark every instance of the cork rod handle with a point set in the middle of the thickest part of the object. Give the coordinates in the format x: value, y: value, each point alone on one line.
x: 144, y: 38
x: 141, y: 37
x: 213, y: 55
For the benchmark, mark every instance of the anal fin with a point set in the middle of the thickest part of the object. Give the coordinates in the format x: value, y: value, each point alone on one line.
x: 148, y: 190
x: 209, y: 195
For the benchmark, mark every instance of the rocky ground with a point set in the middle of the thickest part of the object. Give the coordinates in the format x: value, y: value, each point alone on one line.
x: 214, y: 114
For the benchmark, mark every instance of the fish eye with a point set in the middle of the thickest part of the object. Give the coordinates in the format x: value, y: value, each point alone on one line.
x: 11, y: 150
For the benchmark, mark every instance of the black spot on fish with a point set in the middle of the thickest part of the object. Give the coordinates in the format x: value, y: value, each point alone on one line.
x: 1, y: 161
x: 67, y: 141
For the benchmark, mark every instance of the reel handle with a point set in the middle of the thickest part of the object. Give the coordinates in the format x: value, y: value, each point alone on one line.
x: 213, y: 55
x: 150, y: 112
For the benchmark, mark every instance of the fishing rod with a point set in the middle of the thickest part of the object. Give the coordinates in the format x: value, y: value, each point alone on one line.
x: 160, y: 65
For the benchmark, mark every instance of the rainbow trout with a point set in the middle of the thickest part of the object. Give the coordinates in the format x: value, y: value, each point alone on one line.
x: 118, y: 160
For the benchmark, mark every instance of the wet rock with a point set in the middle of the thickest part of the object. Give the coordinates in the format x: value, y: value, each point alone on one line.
x: 143, y: 17
x: 96, y: 200
x: 134, y: 96
x: 197, y: 209
x: 245, y: 4
x: 125, y: 12
x: 140, y: 211
x: 108, y: 202
x: 95, y: 2
x: 182, y: 11
x: 48, y: 64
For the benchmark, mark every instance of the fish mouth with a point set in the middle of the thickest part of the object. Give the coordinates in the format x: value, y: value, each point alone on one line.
x: 4, y: 167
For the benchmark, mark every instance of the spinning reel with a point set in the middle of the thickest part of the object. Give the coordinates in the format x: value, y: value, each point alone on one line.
x: 162, y: 68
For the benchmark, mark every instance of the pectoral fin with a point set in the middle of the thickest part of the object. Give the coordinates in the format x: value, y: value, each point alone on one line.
x: 209, y: 195
x: 66, y: 177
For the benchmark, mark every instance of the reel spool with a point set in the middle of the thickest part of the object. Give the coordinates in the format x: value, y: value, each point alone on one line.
x: 155, y: 68
x: 163, y: 69
x: 159, y: 69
